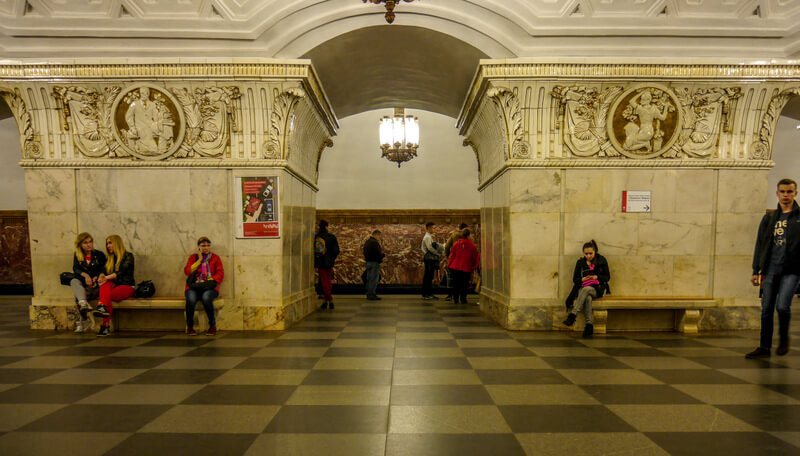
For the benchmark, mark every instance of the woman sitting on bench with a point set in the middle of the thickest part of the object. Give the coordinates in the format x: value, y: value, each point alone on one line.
x: 87, y: 266
x: 117, y: 283
x: 590, y: 279
x: 204, y: 274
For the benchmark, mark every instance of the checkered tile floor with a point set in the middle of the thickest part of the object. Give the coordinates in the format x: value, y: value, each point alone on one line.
x: 395, y: 377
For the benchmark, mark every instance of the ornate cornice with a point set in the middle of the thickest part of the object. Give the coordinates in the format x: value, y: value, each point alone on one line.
x: 649, y: 71
x: 399, y: 216
x: 167, y: 70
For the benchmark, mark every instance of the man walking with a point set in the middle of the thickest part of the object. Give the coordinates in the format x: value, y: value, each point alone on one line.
x: 776, y: 265
x: 373, y: 255
x: 326, y: 249
x: 431, y: 251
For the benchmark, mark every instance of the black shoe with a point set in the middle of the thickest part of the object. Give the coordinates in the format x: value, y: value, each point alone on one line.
x: 427, y: 297
x: 588, y: 330
x: 103, y: 331
x: 373, y: 298
x: 449, y: 297
x: 324, y: 305
x: 758, y: 353
x: 570, y: 319
x: 330, y: 303
x: 101, y: 311
x: 783, y: 346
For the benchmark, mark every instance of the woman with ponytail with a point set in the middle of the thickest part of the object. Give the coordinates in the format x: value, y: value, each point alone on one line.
x: 590, y: 280
x: 117, y: 283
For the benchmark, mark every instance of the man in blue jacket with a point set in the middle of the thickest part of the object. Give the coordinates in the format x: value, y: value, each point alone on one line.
x: 776, y: 267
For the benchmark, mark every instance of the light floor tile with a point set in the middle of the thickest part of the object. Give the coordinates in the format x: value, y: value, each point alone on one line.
x: 318, y: 444
x: 339, y: 363
x: 540, y: 395
x: 7, y: 341
x: 116, y: 342
x: 680, y: 418
x: 14, y: 416
x: 91, y: 376
x: 207, y: 362
x: 700, y: 352
x: 59, y: 443
x: 427, y: 352
x: 728, y: 342
x: 216, y: 419
x: 659, y: 362
x: 16, y: 350
x: 766, y: 376
x: 364, y: 343
x: 590, y: 444
x: 736, y: 394
x: 154, y: 351
x: 261, y: 377
x: 565, y: 351
x: 436, y: 377
x: 447, y: 419
x: 511, y: 362
x: 792, y: 438
x: 424, y: 336
x: 8, y: 386
x: 239, y: 343
x: 613, y: 343
x: 340, y: 395
x: 490, y: 343
x: 142, y: 394
x: 289, y: 352
x: 608, y: 377
x: 52, y: 362
x: 308, y: 335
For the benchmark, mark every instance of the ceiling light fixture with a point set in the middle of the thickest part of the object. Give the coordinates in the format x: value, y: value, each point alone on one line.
x: 390, y: 4
x: 399, y: 137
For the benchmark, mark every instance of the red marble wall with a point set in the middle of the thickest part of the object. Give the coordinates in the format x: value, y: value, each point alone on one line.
x: 15, y: 249
x: 402, y: 244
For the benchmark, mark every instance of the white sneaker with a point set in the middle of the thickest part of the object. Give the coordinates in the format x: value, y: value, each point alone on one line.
x: 79, y: 327
x: 84, y: 305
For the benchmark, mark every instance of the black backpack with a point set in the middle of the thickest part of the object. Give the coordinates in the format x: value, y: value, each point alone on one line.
x: 145, y: 289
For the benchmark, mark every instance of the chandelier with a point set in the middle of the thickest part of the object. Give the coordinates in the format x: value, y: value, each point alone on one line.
x: 399, y: 137
x: 390, y: 4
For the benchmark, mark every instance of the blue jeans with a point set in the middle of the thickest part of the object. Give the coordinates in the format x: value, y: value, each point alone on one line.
x: 777, y: 292
x: 372, y: 276
x: 208, y: 304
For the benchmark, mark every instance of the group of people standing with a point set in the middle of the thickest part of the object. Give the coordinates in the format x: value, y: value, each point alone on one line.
x: 109, y: 277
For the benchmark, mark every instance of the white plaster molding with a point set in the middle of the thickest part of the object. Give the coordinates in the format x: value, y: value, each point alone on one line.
x: 29, y: 139
x: 508, y: 106
x: 282, y: 121
x: 762, y: 147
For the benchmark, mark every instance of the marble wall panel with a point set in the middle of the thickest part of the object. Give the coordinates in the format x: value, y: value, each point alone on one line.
x: 256, y: 247
x: 534, y: 191
x: 587, y: 191
x: 50, y: 190
x: 153, y: 190
x: 153, y: 233
x: 534, y: 277
x: 208, y: 190
x: 675, y: 234
x: 535, y: 233
x: 732, y: 275
x: 46, y: 269
x: 258, y: 277
x: 15, y: 251
x: 695, y: 191
x: 634, y: 275
x: 736, y: 233
x: 742, y: 191
x: 615, y: 234
x: 97, y: 190
x: 691, y: 275
x: 52, y: 233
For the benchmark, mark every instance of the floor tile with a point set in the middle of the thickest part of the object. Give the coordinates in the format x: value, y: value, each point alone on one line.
x: 729, y: 362
x: 589, y: 444
x: 447, y: 419
x: 59, y: 443
x: 359, y: 352
x: 673, y: 343
x: 262, y: 377
x: 540, y: 395
x: 83, y: 350
x: 184, y: 444
x: 428, y: 352
x: 440, y: 395
x: 126, y: 362
x: 680, y: 418
x: 475, y: 352
x: 477, y: 444
x: 48, y: 394
x: 277, y: 363
x: 348, y: 377
x: 790, y: 390
x: 13, y: 416
x: 563, y: 418
x: 354, y: 363
x: 520, y: 376
x: 141, y: 394
x: 767, y: 417
x: 318, y: 444
x: 90, y: 376
x: 340, y: 395
x: 720, y: 443
x: 736, y: 394
x: 436, y: 377
x: 550, y: 343
x: 508, y: 363
x: 97, y: 418
x: 286, y: 343
x: 25, y: 375
x: 608, y: 377
x: 214, y: 419
x: 177, y: 342
x: 659, y: 362
x: 325, y: 419
x: 431, y: 363
x: 638, y: 394
x: 591, y: 362
x: 432, y: 343
x: 766, y: 376
x: 206, y: 351
x: 792, y: 438
x: 158, y: 352
x: 291, y: 352
x: 241, y: 395
x: 692, y: 376
x: 632, y: 352
x: 175, y: 376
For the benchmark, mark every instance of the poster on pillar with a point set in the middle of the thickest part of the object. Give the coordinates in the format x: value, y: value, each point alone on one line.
x: 258, y: 202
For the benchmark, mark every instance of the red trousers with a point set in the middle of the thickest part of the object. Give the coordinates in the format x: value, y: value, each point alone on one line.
x: 110, y: 292
x: 325, y: 281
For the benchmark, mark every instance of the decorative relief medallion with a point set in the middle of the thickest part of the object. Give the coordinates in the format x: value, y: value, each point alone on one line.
x: 147, y: 122
x: 210, y: 118
x: 87, y: 113
x: 511, y: 117
x: 31, y: 147
x: 762, y: 147
x: 584, y: 111
x: 644, y: 122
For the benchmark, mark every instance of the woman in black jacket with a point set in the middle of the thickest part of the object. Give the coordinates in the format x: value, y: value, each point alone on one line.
x: 590, y: 280
x: 117, y: 283
x: 87, y: 266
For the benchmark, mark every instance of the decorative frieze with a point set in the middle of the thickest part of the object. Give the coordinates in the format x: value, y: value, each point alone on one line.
x: 762, y: 147
x: 31, y: 146
x: 281, y: 121
x: 508, y: 105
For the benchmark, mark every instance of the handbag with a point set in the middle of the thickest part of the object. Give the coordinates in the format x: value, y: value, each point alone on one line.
x: 66, y: 278
x: 145, y: 289
x: 203, y: 286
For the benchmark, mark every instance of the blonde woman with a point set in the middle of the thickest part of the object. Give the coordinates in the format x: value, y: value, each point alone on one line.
x: 117, y: 282
x: 87, y: 266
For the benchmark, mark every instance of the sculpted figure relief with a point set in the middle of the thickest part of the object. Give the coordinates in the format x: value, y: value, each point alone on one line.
x: 149, y: 122
x: 644, y: 122
x: 647, y: 133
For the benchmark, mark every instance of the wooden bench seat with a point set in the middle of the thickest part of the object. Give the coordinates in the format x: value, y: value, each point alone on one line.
x: 686, y: 316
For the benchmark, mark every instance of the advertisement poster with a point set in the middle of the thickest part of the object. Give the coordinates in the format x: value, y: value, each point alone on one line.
x: 258, y: 200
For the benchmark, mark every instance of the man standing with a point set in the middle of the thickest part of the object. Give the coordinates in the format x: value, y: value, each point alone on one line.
x: 326, y: 249
x: 431, y: 251
x: 776, y: 265
x: 373, y: 255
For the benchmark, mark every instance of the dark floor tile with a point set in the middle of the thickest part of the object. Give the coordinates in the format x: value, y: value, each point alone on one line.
x: 370, y: 324
x: 316, y: 329
x: 11, y: 359
x: 692, y: 376
x: 85, y: 351
x: 184, y: 444
x: 734, y: 362
x: 423, y: 329
x: 366, y: 335
x: 241, y: 395
x: 551, y: 343
x: 431, y: 363
x: 53, y: 342
x: 178, y: 342
x: 348, y: 377
x: 360, y: 352
x: 481, y: 335
x: 584, y: 362
x: 639, y: 394
x: 427, y: 318
x: 470, y: 324
x: 563, y: 418
x: 48, y: 394
x: 277, y: 363
x: 285, y: 343
x: 330, y: 419
x: 176, y: 376
x: 453, y: 445
x: 126, y: 362
x: 253, y: 334
x: 440, y: 395
x: 521, y: 377
x: 721, y: 443
x: 97, y: 418
x: 789, y: 390
x: 25, y: 375
x: 767, y: 417
x: 474, y: 352
x: 426, y: 343
x: 626, y: 351
x: 672, y: 343
x: 222, y: 351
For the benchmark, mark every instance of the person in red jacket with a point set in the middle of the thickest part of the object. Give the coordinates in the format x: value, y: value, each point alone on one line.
x: 204, y: 273
x: 464, y: 259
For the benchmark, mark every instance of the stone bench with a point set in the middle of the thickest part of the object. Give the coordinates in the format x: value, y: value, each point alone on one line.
x: 157, y: 313
x: 686, y: 310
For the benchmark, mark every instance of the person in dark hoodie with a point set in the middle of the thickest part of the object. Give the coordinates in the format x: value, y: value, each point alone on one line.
x: 590, y: 280
x: 373, y: 255
x: 87, y: 266
x: 776, y: 267
x: 326, y: 249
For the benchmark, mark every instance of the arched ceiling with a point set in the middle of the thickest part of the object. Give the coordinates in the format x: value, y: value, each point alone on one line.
x: 382, y: 67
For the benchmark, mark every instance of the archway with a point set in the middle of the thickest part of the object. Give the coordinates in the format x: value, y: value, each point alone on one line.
x: 784, y: 149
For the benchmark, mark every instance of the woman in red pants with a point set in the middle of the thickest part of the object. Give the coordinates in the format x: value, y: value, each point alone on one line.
x: 117, y: 283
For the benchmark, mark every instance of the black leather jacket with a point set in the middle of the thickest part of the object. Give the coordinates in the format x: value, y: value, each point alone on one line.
x: 95, y: 267
x: 602, y: 272
x: 125, y: 271
x: 373, y: 251
x: 331, y: 251
x: 763, y: 250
